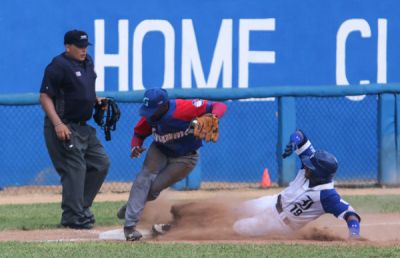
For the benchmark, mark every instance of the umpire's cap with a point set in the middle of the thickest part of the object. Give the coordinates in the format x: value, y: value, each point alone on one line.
x: 77, y: 38
x: 322, y: 164
x: 153, y: 99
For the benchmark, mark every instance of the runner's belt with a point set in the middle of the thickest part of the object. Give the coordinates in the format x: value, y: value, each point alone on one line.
x: 278, y: 205
x: 279, y: 209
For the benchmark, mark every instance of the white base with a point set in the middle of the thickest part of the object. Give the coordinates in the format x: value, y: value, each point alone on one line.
x: 118, y: 234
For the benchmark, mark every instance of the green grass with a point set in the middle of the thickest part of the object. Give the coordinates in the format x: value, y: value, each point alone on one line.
x: 375, y: 203
x: 47, y: 215
x: 140, y: 249
x: 40, y: 216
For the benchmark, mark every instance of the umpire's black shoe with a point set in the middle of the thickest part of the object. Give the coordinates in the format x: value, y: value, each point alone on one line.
x: 83, y: 223
x: 78, y: 226
x: 89, y: 216
x: 131, y: 234
x: 91, y: 220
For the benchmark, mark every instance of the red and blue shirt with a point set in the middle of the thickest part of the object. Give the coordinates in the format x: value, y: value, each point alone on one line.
x: 171, y: 133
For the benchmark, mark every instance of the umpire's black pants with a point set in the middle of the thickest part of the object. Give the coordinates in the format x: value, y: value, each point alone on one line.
x: 82, y: 168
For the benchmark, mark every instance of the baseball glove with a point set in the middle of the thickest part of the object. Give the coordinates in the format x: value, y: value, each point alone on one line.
x: 206, y: 127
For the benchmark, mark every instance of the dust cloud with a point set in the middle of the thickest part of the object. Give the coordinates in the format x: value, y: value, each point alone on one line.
x: 212, y: 220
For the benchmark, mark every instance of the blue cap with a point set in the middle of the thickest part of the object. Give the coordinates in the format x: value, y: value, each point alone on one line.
x: 322, y: 164
x: 153, y: 99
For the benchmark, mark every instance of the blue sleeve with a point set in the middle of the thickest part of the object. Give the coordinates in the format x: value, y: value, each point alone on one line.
x: 332, y: 203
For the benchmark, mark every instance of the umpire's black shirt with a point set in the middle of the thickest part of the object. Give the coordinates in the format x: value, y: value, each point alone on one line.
x: 71, y: 85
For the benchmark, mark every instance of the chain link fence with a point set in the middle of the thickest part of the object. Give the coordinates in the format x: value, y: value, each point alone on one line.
x: 247, y: 144
x: 346, y: 128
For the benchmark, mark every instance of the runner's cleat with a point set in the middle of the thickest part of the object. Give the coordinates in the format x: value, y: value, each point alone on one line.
x: 160, y: 229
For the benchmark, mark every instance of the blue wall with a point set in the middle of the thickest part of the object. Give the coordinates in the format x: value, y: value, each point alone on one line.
x: 304, y: 38
x: 298, y: 42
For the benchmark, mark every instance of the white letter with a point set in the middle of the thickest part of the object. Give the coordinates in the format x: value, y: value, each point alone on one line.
x: 222, y: 57
x: 169, y: 35
x: 382, y: 46
x: 245, y: 55
x: 344, y: 31
x: 119, y: 60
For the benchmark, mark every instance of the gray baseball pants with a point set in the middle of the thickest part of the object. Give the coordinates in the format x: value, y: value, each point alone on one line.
x: 158, y: 172
x: 82, y: 169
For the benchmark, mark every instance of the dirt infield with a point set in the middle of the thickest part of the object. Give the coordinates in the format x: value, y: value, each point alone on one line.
x: 377, y: 230
x: 204, y: 216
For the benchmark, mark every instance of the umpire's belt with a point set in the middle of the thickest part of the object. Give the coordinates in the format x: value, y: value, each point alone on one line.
x: 279, y: 209
x: 74, y: 122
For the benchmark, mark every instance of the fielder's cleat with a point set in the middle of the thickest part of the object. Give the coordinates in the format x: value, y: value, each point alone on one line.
x: 131, y: 234
x: 121, y: 211
x: 160, y: 229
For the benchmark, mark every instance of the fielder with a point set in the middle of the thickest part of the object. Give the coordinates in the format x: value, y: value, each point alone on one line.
x: 310, y: 195
x: 178, y: 127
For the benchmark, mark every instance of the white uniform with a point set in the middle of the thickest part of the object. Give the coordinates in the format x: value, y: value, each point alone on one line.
x: 300, y: 204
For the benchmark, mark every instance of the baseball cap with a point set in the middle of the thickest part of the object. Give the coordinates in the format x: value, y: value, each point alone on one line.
x: 77, y: 38
x: 321, y: 162
x: 153, y: 99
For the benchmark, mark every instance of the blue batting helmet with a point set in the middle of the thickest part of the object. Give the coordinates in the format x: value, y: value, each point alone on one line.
x: 323, y: 165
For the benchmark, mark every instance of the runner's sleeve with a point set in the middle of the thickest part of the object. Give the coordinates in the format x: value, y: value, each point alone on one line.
x: 332, y: 203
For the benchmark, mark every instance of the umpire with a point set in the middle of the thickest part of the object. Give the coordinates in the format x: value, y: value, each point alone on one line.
x: 67, y: 95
